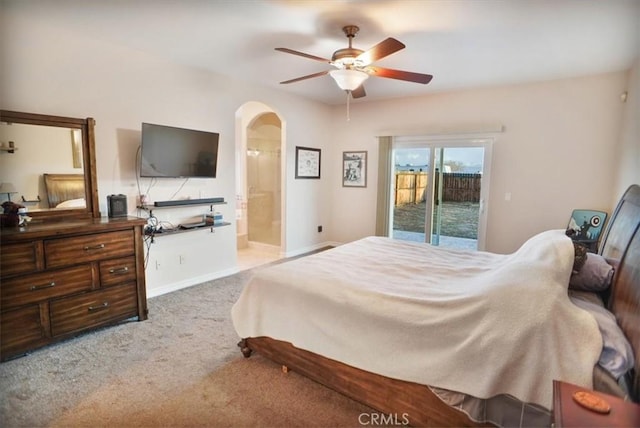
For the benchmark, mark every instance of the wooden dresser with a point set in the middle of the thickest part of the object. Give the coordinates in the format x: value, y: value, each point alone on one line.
x: 61, y: 278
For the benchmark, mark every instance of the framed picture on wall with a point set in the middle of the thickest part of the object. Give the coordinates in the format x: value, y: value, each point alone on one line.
x: 354, y: 169
x: 585, y: 227
x: 307, y: 162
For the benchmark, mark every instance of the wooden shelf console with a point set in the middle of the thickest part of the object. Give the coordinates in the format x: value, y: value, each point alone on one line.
x: 153, y: 232
x: 61, y: 278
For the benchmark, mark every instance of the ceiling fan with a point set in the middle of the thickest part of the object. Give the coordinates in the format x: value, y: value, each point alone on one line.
x: 353, y: 66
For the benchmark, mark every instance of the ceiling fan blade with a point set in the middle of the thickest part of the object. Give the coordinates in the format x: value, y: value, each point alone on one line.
x: 291, y: 51
x: 400, y: 75
x: 359, y: 92
x: 309, y: 76
x: 381, y: 50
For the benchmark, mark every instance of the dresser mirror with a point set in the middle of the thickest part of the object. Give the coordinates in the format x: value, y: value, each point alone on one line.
x: 47, y: 164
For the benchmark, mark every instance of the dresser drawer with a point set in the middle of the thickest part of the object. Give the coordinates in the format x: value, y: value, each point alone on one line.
x: 22, y: 329
x: 117, y: 271
x: 91, y: 309
x: 67, y: 251
x: 36, y: 287
x: 21, y: 258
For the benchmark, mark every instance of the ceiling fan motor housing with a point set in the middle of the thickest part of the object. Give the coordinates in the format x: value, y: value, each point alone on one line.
x: 346, y: 56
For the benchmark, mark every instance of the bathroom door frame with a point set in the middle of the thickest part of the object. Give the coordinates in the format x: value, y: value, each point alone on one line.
x: 244, y: 116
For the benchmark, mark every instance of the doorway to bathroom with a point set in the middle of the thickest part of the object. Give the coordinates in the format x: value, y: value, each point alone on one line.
x: 260, y: 216
x: 264, y: 186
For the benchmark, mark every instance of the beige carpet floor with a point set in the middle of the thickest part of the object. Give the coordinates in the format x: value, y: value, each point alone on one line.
x: 181, y: 367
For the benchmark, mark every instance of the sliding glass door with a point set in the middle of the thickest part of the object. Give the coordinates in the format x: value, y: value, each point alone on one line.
x: 439, y: 189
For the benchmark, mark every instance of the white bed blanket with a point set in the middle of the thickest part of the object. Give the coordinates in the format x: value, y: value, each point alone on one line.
x: 474, y: 322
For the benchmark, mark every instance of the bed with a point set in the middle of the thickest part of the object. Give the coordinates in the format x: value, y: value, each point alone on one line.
x: 65, y: 191
x: 417, y: 353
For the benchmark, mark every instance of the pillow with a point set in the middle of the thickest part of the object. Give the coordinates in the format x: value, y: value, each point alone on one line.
x: 72, y: 203
x: 595, y: 275
x: 587, y: 296
x: 617, y: 355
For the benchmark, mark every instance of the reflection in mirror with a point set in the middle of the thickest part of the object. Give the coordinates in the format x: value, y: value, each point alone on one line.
x: 40, y: 150
x: 35, y: 146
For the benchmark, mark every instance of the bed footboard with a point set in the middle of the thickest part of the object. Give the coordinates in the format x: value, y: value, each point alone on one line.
x: 403, y: 400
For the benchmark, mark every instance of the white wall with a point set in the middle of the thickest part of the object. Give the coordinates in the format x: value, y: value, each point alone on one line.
x: 558, y: 151
x: 629, y: 152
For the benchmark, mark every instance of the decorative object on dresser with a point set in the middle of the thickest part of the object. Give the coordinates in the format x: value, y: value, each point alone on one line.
x: 117, y: 205
x: 7, y: 189
x: 69, y: 270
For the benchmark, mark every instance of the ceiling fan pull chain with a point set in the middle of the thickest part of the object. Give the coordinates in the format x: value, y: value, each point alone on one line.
x: 348, y: 117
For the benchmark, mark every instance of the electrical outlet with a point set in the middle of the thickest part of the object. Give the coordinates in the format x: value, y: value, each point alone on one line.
x: 157, y: 265
x: 182, y: 260
x: 319, y: 229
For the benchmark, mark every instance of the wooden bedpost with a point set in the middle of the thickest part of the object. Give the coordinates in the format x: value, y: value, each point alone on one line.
x: 244, y: 348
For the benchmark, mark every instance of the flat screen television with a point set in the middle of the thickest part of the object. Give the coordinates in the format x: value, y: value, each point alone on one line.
x: 167, y: 151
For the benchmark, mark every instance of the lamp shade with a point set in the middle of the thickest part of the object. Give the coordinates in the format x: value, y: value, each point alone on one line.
x: 7, y: 188
x: 349, y: 80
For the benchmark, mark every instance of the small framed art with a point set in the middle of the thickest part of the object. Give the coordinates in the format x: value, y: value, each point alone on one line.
x: 307, y: 162
x: 354, y: 169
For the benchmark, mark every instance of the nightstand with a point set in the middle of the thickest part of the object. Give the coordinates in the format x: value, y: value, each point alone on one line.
x: 568, y: 413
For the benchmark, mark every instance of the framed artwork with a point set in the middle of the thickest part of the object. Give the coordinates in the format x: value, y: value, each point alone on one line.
x: 307, y: 162
x: 586, y: 225
x: 354, y: 169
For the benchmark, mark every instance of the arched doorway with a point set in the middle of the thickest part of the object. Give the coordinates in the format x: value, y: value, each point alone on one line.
x: 259, y: 185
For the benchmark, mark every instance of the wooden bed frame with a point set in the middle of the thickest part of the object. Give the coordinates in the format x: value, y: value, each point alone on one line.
x: 63, y: 187
x: 620, y: 245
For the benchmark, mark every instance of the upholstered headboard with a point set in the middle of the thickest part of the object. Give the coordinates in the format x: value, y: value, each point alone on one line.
x: 621, y: 247
x: 64, y: 187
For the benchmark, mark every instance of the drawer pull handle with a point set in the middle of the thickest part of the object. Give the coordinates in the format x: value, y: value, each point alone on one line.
x: 119, y: 271
x: 41, y: 287
x: 97, y: 308
x: 95, y: 247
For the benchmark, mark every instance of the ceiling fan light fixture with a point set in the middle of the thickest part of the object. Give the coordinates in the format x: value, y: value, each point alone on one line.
x: 349, y: 80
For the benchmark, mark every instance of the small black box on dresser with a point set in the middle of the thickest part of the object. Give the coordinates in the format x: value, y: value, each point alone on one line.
x: 117, y: 205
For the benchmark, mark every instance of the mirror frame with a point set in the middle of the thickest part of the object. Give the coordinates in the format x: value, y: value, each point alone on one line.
x: 86, y: 126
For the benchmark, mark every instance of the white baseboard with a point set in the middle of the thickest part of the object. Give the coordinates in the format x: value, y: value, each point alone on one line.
x: 314, y: 247
x: 168, y: 288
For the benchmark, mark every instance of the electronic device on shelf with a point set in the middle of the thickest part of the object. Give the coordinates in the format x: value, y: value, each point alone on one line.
x: 188, y: 202
x: 192, y: 225
x: 208, y: 220
x: 171, y: 152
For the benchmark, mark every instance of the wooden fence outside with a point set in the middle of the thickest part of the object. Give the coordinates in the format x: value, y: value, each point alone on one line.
x: 410, y: 187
